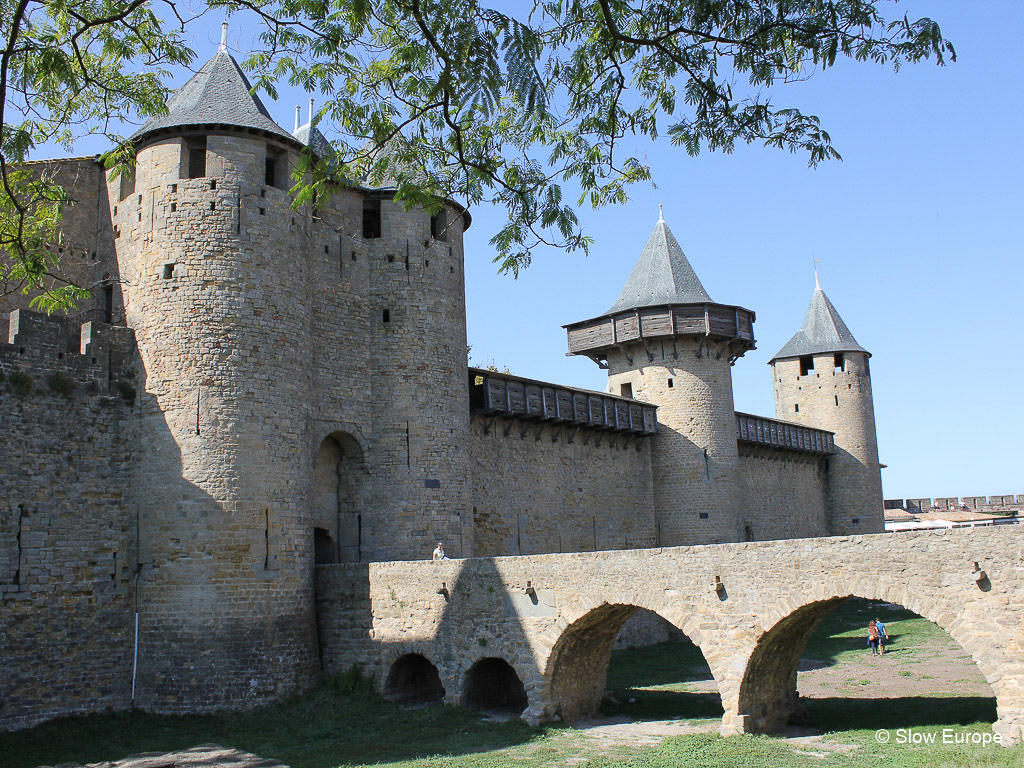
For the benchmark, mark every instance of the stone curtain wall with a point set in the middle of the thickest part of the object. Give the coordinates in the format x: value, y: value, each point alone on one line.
x: 534, y: 491
x: 784, y: 494
x: 66, y: 529
x: 86, y: 246
x: 554, y: 617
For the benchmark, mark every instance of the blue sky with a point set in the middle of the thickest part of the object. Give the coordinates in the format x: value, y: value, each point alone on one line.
x: 917, y: 232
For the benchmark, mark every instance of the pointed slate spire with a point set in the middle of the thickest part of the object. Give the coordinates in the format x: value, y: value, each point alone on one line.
x: 823, y: 331
x: 218, y: 94
x: 662, y: 275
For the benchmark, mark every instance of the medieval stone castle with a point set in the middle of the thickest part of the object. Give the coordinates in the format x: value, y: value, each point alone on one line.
x: 258, y: 388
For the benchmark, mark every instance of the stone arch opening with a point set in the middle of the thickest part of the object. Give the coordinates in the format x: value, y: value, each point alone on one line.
x: 413, y: 679
x: 493, y: 686
x: 337, y: 499
x: 650, y: 666
x: 923, y: 663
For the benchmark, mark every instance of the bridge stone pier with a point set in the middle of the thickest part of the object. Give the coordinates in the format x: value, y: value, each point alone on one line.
x: 749, y: 607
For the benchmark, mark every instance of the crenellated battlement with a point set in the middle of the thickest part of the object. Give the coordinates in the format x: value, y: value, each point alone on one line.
x: 96, y: 356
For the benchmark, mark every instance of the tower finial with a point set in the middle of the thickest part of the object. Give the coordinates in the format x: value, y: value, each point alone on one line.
x: 311, y: 111
x: 817, y: 284
x: 661, y: 214
x: 224, y: 36
x: 298, y: 112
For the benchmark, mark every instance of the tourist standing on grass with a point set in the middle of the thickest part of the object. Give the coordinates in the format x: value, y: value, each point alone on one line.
x: 873, y: 637
x: 883, y: 636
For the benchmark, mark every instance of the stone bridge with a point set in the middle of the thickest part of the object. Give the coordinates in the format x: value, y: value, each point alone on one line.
x: 749, y: 607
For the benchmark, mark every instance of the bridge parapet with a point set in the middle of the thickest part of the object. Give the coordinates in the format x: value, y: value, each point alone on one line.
x: 554, y: 618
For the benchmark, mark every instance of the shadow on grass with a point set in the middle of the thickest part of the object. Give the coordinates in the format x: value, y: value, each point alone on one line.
x: 633, y: 672
x: 831, y: 641
x: 846, y: 714
x: 324, y: 728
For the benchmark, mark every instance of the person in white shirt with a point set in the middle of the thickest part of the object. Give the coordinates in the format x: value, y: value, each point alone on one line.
x: 439, y: 552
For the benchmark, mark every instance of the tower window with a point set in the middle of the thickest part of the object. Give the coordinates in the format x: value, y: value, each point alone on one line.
x: 127, y: 183
x: 438, y: 226
x: 670, y: 383
x: 273, y: 175
x: 195, y: 165
x: 168, y: 271
x: 386, y: 317
x: 806, y: 364
x: 704, y: 515
x: 837, y: 399
x: 626, y: 390
x: 840, y: 361
x: 371, y: 219
x: 796, y: 408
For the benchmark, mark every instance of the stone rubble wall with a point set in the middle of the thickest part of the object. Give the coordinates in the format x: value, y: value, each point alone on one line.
x: 66, y: 533
x: 784, y: 493
x: 534, y: 491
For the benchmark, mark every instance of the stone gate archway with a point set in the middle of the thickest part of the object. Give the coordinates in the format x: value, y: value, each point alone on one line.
x: 337, y: 499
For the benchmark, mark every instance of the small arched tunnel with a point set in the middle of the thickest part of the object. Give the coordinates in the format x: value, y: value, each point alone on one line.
x: 493, y: 686
x: 769, y: 698
x: 650, y: 667
x: 412, y: 679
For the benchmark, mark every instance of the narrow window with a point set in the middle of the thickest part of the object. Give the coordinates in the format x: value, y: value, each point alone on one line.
x: 840, y: 361
x: 168, y: 271
x: 855, y: 521
x: 174, y: 207
x: 796, y: 408
x: 213, y: 184
x: 273, y: 175
x: 196, y: 158
x: 806, y: 364
x: 748, y: 533
x: 371, y: 219
x: 127, y: 183
x: 327, y: 249
x: 670, y: 383
x: 626, y: 390
x: 391, y: 258
x: 837, y: 399
x: 387, y: 316
x: 108, y: 303
x: 704, y: 515
x: 439, y: 226
x: 354, y: 257
x: 263, y: 211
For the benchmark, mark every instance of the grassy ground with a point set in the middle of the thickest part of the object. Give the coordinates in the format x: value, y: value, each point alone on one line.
x: 344, y: 728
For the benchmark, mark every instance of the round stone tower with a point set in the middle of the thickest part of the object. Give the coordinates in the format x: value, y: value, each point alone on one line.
x: 216, y: 280
x: 822, y: 379
x: 666, y: 342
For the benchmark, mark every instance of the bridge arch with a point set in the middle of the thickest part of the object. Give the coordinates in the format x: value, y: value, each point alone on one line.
x: 576, y: 668
x: 492, y: 684
x: 413, y: 679
x: 767, y: 693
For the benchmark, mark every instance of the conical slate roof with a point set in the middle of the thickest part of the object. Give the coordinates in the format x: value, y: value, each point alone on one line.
x: 823, y: 331
x: 662, y: 275
x: 218, y: 94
